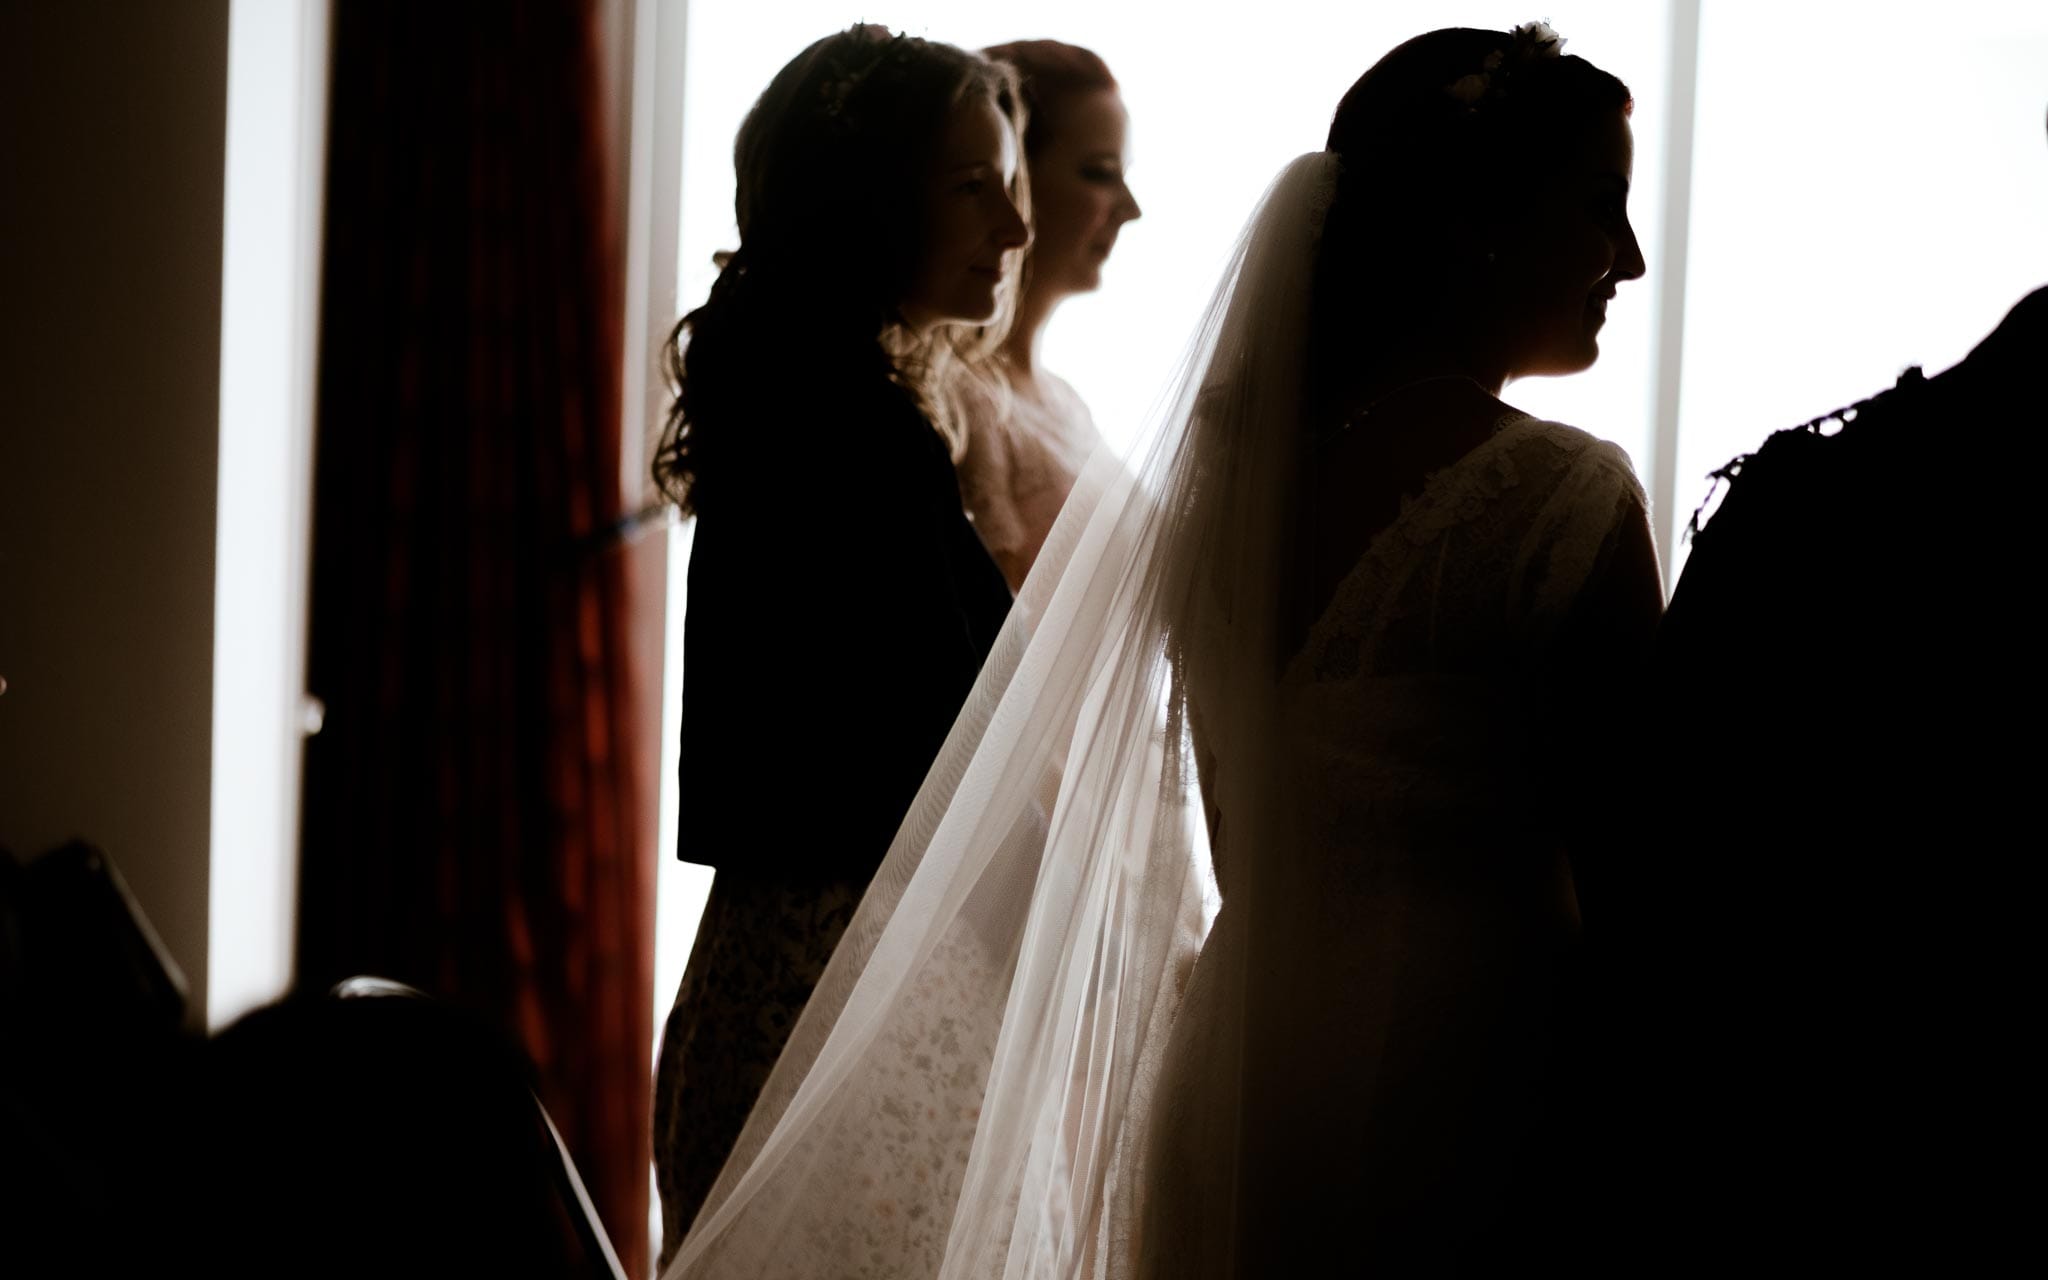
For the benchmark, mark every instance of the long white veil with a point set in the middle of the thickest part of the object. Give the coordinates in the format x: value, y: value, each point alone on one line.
x: 971, y: 1090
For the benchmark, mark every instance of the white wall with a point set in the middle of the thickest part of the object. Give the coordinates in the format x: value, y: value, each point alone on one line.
x: 112, y: 145
x: 276, y: 153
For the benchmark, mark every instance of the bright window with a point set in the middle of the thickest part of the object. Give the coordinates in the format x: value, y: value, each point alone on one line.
x: 1870, y: 192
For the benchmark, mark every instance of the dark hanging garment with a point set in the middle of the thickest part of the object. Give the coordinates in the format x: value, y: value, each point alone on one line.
x: 1832, y: 951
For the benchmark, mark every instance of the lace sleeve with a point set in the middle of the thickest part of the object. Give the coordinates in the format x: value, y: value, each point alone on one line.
x: 1579, y: 522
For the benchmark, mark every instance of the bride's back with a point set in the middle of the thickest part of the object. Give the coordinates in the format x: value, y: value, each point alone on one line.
x: 1366, y: 471
x: 1386, y: 989
x: 1362, y: 1045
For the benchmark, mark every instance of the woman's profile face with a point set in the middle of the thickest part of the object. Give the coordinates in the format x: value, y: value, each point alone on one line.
x: 1557, y: 269
x: 1079, y: 199
x: 971, y: 223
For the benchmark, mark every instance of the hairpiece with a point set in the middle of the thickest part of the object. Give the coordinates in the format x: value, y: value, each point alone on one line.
x: 874, y: 45
x: 1533, y: 42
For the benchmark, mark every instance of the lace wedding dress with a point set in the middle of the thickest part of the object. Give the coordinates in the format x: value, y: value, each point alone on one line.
x: 1372, y: 1043
x: 1030, y: 1056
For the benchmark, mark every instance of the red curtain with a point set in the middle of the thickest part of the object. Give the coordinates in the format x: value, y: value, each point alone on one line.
x: 478, y: 819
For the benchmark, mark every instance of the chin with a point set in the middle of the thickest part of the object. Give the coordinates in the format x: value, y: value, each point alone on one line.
x: 1081, y: 274
x: 974, y: 308
x: 1581, y: 355
x: 1563, y: 364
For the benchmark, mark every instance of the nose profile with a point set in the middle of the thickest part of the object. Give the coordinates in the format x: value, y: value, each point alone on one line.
x: 1130, y: 209
x: 1011, y: 231
x: 1628, y: 263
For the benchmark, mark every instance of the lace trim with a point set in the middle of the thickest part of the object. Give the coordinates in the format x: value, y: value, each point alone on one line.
x: 1453, y: 494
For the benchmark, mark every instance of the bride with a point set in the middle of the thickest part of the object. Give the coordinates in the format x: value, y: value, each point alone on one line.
x: 1347, y: 629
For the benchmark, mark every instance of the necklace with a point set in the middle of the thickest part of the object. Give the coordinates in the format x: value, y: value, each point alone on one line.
x: 1379, y: 400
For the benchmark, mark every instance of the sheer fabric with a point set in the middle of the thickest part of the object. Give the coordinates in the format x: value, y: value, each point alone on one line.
x: 1015, y: 1064
x: 980, y: 1040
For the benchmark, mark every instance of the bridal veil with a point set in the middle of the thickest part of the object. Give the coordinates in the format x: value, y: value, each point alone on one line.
x: 970, y: 1091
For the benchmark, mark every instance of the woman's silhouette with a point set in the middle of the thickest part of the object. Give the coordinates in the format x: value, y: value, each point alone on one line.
x: 839, y: 601
x: 1029, y: 436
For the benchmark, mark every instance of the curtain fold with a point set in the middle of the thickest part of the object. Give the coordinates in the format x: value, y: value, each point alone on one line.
x: 478, y: 819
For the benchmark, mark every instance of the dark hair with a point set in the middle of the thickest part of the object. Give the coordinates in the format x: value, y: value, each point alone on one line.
x: 831, y: 163
x: 1051, y: 73
x: 1434, y: 141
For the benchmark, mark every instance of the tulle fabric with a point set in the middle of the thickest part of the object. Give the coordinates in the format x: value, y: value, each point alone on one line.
x: 970, y: 1092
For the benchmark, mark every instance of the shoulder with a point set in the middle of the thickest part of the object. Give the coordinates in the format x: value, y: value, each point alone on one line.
x: 1574, y: 456
x: 842, y: 441
x: 1076, y: 423
x: 1567, y: 441
x: 1582, y: 530
x: 1060, y: 393
x: 1050, y: 430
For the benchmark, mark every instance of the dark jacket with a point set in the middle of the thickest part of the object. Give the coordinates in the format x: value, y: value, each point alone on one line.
x: 840, y: 606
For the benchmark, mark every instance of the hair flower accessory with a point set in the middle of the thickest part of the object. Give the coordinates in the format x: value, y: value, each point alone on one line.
x: 1533, y: 41
x: 876, y: 43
